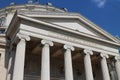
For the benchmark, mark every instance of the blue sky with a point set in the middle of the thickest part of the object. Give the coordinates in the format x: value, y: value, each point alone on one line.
x: 104, y: 13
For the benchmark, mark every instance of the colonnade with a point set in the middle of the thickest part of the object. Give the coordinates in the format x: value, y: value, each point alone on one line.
x: 18, y: 73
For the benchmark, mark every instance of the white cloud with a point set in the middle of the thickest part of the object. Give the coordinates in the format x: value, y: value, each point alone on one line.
x: 99, y: 3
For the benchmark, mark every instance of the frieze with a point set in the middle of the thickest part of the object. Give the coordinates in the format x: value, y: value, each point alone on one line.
x: 79, y: 41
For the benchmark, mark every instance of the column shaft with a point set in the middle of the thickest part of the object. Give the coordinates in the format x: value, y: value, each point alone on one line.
x: 18, y: 73
x: 113, y: 76
x: 104, y: 67
x: 45, y: 67
x: 45, y: 63
x: 68, y: 65
x: 88, y: 67
x: 117, y: 66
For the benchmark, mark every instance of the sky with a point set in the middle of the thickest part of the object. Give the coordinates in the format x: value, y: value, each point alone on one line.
x: 104, y: 13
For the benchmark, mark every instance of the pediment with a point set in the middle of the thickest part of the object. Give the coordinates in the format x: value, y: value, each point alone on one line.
x: 75, y: 26
x: 79, y: 26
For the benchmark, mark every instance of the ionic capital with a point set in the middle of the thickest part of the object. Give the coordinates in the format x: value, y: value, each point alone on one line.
x: 104, y: 55
x: 117, y: 58
x: 47, y: 42
x: 23, y: 36
x: 69, y: 47
x: 87, y: 51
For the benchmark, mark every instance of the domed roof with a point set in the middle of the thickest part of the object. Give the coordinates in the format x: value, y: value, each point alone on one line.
x: 31, y: 7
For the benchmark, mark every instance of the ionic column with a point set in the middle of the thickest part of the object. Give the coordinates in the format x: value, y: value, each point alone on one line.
x: 104, y: 66
x: 45, y: 63
x: 117, y: 66
x: 18, y: 73
x: 87, y: 64
x: 68, y: 62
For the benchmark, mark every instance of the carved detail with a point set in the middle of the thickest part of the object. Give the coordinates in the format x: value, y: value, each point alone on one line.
x: 87, y: 51
x: 69, y: 47
x: 23, y: 36
x: 104, y: 55
x: 117, y: 58
x: 47, y: 42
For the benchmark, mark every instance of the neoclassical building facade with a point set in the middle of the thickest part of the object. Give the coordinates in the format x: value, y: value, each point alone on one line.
x: 42, y: 42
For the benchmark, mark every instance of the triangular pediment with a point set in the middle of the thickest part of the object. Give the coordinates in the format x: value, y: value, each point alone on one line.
x: 79, y: 26
x: 75, y: 26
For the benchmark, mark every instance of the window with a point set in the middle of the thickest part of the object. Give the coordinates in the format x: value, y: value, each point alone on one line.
x: 2, y: 30
x: 2, y: 21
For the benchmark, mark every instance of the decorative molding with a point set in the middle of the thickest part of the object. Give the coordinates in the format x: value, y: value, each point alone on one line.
x: 87, y: 51
x: 30, y: 6
x: 47, y: 42
x: 104, y: 55
x: 45, y: 13
x: 69, y: 47
x: 117, y: 58
x: 23, y: 36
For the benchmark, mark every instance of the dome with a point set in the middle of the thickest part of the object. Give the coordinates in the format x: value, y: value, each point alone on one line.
x: 31, y: 8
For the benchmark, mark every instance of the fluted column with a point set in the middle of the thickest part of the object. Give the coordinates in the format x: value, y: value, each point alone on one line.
x: 45, y: 64
x: 104, y: 66
x: 68, y: 62
x: 117, y: 66
x: 18, y: 73
x: 87, y: 64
